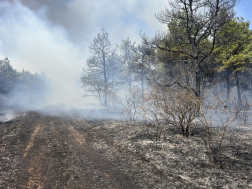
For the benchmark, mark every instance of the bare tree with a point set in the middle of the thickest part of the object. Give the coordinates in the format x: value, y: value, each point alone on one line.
x: 96, y: 77
x: 193, y: 26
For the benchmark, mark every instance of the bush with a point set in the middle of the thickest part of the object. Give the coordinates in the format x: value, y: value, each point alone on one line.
x: 180, y: 107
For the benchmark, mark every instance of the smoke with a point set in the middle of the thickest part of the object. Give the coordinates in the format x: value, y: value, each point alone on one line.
x: 53, y: 36
x: 7, y: 116
x: 34, y: 43
x: 82, y: 19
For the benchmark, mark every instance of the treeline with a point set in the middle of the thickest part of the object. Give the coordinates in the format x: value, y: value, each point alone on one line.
x: 209, y: 51
x: 20, y: 89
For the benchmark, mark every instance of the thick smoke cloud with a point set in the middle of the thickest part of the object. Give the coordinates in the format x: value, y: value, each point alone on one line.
x: 53, y: 36
x: 34, y: 43
x: 83, y: 18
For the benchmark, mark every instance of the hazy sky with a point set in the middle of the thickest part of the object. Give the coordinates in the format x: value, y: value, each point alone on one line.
x: 54, y: 35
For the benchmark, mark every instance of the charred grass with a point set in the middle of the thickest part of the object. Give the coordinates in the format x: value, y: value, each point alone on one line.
x: 183, y: 159
x: 38, y: 151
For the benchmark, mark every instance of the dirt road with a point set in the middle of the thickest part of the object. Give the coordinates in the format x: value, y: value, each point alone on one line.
x: 40, y: 151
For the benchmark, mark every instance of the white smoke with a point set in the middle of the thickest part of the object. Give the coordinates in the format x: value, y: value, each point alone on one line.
x: 33, y: 43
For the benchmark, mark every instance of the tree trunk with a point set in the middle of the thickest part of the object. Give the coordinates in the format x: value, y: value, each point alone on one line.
x: 228, y: 85
x: 198, y: 83
x: 106, y: 95
x: 142, y: 81
x: 198, y: 87
x: 129, y: 86
x: 203, y: 87
x: 238, y: 87
x: 250, y: 88
x: 106, y: 82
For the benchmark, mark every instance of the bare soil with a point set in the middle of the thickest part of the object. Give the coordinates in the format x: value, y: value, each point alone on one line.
x: 41, y: 151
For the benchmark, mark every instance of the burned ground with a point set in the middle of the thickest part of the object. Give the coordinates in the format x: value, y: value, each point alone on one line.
x: 40, y: 151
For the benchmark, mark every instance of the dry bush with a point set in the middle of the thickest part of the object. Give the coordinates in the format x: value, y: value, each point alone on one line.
x: 180, y: 107
x: 175, y: 105
x: 245, y: 113
x: 151, y: 111
x: 130, y: 105
x: 220, y: 114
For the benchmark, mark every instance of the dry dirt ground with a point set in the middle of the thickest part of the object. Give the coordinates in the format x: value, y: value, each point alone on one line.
x: 41, y: 151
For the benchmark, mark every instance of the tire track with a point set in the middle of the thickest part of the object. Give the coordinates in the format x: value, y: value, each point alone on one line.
x: 103, y: 167
x: 77, y: 136
x: 35, y: 171
x: 37, y: 130
x: 36, y: 179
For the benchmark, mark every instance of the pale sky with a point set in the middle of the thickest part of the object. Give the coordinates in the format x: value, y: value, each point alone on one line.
x: 53, y: 36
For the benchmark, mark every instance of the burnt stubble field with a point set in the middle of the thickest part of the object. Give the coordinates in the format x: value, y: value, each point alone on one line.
x: 42, y: 151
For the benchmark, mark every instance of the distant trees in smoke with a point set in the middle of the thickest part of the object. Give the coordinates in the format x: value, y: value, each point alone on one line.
x: 127, y: 54
x: 113, y: 72
x: 20, y: 88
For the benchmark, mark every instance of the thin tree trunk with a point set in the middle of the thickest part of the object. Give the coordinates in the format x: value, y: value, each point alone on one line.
x: 142, y: 81
x: 198, y: 87
x: 129, y: 86
x: 106, y: 95
x: 106, y: 82
x: 198, y: 83
x: 238, y: 87
x: 203, y: 87
x: 250, y: 88
x: 228, y: 85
